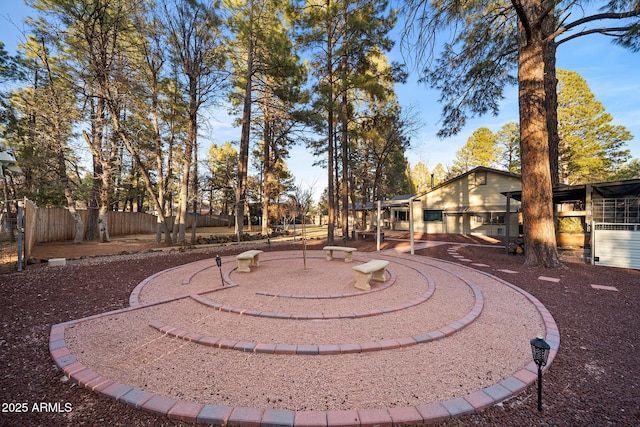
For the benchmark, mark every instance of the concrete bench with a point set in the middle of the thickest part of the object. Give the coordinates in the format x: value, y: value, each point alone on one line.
x: 362, y: 235
x: 372, y: 270
x: 248, y: 259
x: 347, y: 252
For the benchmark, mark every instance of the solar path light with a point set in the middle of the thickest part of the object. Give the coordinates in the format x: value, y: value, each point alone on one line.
x: 219, y: 264
x: 540, y: 352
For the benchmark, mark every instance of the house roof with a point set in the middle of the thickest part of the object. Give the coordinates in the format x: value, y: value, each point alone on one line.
x: 474, y: 170
x: 401, y: 200
x: 481, y: 168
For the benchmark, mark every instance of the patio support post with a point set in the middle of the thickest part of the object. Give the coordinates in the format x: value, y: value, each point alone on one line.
x: 507, y: 228
x: 411, y: 224
x: 378, y: 226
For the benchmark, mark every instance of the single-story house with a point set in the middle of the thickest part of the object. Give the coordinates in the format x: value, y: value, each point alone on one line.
x: 600, y: 222
x: 470, y: 203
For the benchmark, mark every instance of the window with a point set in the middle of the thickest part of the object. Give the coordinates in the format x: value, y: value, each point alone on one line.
x: 481, y: 177
x: 430, y: 215
x: 488, y: 218
x: 401, y: 215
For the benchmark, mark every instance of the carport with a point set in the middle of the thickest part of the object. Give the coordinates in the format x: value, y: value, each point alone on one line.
x: 610, y: 212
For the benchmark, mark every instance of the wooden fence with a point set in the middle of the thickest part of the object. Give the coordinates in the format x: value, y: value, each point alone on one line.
x: 56, y: 224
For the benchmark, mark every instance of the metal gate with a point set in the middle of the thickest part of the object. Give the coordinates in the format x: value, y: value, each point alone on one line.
x: 8, y: 238
x: 616, y: 245
x: 11, y: 236
x: 616, y: 232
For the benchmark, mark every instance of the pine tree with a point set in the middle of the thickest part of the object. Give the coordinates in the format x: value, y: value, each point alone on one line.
x: 421, y: 177
x: 195, y: 36
x: 480, y: 150
x: 591, y: 147
x: 508, y: 147
x: 476, y: 64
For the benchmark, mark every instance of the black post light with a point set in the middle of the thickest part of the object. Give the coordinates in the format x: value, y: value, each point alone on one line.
x: 219, y: 264
x: 540, y: 351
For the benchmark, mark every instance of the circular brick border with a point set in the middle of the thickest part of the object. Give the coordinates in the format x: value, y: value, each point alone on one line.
x: 226, y: 415
x: 332, y: 348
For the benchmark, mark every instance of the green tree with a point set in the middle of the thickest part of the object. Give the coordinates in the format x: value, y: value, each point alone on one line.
x: 508, y: 147
x: 629, y: 170
x: 95, y: 34
x: 476, y: 64
x: 155, y: 95
x: 222, y: 162
x: 363, y: 68
x: 276, y: 91
x: 439, y: 174
x: 245, y: 23
x: 420, y: 177
x: 55, y: 104
x: 480, y: 150
x: 318, y: 24
x: 346, y: 38
x: 384, y: 135
x: 591, y: 147
x: 9, y: 70
x: 378, y: 137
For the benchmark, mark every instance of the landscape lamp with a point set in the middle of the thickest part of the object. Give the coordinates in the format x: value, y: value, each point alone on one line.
x: 219, y: 264
x: 540, y: 352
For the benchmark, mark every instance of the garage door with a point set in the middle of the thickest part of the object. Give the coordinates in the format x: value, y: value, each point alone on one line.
x: 616, y: 245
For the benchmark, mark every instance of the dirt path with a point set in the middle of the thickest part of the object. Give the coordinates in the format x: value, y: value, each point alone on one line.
x: 138, y: 243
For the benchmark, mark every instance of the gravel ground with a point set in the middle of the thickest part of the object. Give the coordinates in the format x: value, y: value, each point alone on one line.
x: 123, y: 347
x: 594, y: 379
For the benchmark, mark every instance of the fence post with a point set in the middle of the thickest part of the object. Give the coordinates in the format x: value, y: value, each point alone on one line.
x: 20, y: 234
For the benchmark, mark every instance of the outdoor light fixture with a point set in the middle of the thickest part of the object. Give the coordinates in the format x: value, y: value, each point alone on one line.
x: 540, y: 352
x: 219, y: 264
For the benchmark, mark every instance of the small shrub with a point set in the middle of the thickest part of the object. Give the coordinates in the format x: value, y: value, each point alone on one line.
x: 571, y: 225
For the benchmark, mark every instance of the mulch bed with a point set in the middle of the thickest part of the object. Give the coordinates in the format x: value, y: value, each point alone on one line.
x: 594, y: 380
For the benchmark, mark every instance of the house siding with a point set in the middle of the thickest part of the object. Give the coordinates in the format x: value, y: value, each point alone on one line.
x: 465, y: 202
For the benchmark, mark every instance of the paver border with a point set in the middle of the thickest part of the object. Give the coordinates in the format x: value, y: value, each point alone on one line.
x: 223, y: 415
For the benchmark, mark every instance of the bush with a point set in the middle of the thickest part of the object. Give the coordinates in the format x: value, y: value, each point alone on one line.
x: 571, y: 225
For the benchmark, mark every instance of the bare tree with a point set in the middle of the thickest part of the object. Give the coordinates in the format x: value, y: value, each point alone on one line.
x: 195, y: 38
x: 301, y: 200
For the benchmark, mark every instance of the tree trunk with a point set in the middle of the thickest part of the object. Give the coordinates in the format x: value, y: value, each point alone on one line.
x: 266, y: 176
x: 91, y: 230
x: 243, y: 155
x: 330, y: 136
x: 162, y: 226
x: 331, y: 211
x: 62, y: 162
x: 94, y: 141
x: 103, y: 224
x: 537, y: 201
x: 162, y: 221
x: 344, y: 188
x: 194, y: 189
x: 344, y: 108
x: 551, y: 90
x: 186, y: 164
x: 71, y: 202
x: 103, y: 212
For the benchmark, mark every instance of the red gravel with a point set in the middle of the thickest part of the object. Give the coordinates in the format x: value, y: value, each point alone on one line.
x: 594, y: 380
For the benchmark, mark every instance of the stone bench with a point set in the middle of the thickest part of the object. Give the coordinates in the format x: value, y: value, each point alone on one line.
x: 362, y: 235
x: 347, y: 252
x: 248, y: 259
x: 372, y: 270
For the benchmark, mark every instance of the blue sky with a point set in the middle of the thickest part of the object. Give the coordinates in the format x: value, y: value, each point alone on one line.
x: 612, y: 73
